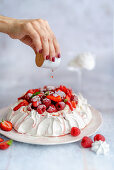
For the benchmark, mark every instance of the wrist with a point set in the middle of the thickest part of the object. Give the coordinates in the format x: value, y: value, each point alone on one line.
x: 6, y: 24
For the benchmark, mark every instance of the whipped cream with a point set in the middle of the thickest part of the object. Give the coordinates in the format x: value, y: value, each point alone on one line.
x: 50, y: 124
x: 100, y: 147
x: 84, y: 60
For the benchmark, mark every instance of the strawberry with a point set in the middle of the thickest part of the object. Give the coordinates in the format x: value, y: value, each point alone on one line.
x: 46, y: 102
x: 74, y: 98
x: 23, y: 103
x: 60, y: 106
x: 75, y: 131
x: 73, y: 104
x: 1, y: 140
x: 69, y: 92
x: 86, y: 142
x: 67, y: 97
x: 6, y: 125
x: 70, y: 105
x: 6, y: 144
x: 41, y: 108
x: 63, y: 88
x: 51, y: 109
x: 53, y: 98
x: 36, y: 101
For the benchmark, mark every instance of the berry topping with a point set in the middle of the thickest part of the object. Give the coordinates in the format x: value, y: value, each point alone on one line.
x: 73, y: 104
x: 41, y: 108
x: 74, y: 98
x: 6, y: 144
x: 36, y: 103
x: 51, y: 109
x: 28, y: 96
x: 23, y: 103
x: 46, y: 102
x: 54, y: 98
x: 99, y: 137
x: 60, y: 106
x: 86, y: 142
x: 1, y: 140
x: 63, y: 88
x: 70, y: 105
x: 29, y: 107
x: 60, y: 93
x: 69, y: 92
x: 6, y: 125
x: 75, y: 131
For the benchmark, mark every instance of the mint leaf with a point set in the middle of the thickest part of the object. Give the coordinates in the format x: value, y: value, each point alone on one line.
x: 35, y: 94
x: 65, y: 100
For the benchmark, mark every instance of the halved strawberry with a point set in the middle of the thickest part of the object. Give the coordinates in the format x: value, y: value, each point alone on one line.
x: 70, y: 105
x: 73, y: 104
x: 1, y: 140
x: 6, y: 125
x: 6, y: 144
x: 69, y: 92
x: 53, y: 98
x: 23, y: 103
x: 63, y: 88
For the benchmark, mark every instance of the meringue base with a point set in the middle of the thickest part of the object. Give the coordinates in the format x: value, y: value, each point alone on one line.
x: 50, y: 124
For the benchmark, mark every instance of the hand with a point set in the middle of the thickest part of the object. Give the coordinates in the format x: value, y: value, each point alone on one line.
x: 37, y: 34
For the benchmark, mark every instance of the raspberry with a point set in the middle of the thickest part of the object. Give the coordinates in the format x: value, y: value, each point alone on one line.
x: 86, y: 142
x: 75, y: 131
x: 46, y: 102
x: 51, y: 109
x: 41, y: 108
x: 28, y: 96
x: 99, y: 137
x: 60, y: 106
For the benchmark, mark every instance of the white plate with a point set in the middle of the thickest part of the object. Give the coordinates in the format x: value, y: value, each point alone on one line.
x: 87, y: 131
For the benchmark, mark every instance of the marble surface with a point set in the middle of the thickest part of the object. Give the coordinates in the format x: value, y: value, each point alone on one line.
x: 80, y: 26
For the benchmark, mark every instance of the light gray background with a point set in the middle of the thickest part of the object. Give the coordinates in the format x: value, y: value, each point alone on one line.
x: 80, y: 26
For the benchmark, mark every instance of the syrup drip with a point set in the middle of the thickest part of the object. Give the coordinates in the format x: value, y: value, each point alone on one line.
x: 52, y: 73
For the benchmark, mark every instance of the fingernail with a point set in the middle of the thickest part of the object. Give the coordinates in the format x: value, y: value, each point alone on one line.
x: 59, y: 55
x: 47, y: 57
x: 53, y: 59
x: 40, y: 51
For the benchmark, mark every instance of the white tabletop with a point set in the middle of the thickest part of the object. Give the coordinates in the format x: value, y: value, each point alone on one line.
x: 80, y: 26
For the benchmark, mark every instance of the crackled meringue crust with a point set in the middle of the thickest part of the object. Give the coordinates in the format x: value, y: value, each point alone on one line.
x: 50, y: 124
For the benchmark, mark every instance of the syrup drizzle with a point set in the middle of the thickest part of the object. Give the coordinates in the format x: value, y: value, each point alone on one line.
x: 52, y: 73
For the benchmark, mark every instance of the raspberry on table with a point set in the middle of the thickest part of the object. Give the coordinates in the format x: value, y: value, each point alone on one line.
x: 99, y: 137
x: 86, y: 142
